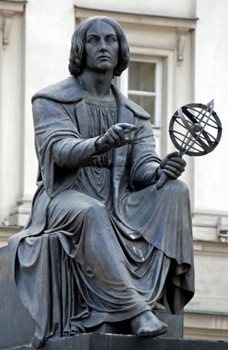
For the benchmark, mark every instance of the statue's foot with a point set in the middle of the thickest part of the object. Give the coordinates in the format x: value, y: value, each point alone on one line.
x: 147, y: 324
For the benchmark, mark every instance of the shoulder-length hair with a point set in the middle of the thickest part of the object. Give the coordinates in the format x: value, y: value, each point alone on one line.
x: 78, y: 43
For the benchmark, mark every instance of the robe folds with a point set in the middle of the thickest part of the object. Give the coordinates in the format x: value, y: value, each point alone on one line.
x: 102, y: 244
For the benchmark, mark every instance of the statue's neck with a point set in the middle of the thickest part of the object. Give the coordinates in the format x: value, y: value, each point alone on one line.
x: 96, y: 84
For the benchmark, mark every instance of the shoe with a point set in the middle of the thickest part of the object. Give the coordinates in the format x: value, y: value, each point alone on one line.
x: 159, y: 307
x: 147, y: 325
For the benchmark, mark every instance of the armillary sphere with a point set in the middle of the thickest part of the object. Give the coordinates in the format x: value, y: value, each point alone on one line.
x: 195, y: 130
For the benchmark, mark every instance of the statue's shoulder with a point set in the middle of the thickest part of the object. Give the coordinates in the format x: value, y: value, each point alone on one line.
x: 67, y: 91
x: 136, y: 109
x: 132, y: 106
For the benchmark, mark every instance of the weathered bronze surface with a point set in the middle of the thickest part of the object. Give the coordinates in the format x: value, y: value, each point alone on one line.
x: 102, y: 245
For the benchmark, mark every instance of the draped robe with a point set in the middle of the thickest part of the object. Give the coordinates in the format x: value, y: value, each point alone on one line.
x: 85, y: 258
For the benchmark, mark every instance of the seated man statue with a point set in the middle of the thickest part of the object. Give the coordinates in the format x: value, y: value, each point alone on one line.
x: 102, y: 244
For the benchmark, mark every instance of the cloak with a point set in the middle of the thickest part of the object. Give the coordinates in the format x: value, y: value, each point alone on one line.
x: 63, y: 148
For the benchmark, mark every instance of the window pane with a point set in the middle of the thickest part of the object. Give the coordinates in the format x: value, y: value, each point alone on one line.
x: 146, y: 102
x: 142, y: 76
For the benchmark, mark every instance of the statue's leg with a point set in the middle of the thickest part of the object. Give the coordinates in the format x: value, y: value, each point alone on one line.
x: 84, y: 223
x: 165, y: 223
x: 85, y: 227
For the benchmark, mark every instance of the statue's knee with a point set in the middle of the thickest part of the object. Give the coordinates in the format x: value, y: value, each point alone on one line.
x: 177, y: 186
x: 181, y: 186
x: 95, y: 210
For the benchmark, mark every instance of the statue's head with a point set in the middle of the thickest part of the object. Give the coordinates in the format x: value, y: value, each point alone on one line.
x: 76, y: 59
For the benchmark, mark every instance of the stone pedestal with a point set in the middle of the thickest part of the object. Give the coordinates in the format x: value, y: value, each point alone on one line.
x: 95, y: 341
x: 17, y: 327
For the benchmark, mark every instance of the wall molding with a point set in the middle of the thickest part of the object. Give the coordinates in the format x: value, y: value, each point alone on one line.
x: 7, y: 10
x: 210, y: 225
x: 20, y: 213
x: 134, y: 17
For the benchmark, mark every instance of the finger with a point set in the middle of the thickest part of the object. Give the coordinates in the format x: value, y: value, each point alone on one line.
x: 116, y: 141
x: 119, y: 130
x: 117, y: 136
x: 125, y: 126
x: 164, y: 161
x: 178, y: 160
x: 176, y: 165
x: 172, y: 154
x: 170, y: 174
x: 173, y: 172
x: 109, y: 139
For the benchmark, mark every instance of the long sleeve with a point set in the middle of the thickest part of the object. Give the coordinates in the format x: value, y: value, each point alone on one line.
x: 55, y: 126
x: 60, y: 148
x: 71, y: 153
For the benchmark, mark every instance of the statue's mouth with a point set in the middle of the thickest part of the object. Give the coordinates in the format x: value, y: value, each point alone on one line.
x: 104, y: 57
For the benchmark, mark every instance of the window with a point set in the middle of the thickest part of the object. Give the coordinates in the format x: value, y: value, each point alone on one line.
x: 141, y: 83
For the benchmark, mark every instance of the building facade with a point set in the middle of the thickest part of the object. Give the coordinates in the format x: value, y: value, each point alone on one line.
x: 179, y: 55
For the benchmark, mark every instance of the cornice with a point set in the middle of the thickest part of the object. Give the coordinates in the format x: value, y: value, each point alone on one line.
x: 134, y: 18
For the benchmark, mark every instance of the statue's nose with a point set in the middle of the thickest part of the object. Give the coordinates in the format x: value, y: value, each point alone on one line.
x: 103, y: 45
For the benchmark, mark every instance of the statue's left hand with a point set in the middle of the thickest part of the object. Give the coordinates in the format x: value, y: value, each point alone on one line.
x: 172, y: 165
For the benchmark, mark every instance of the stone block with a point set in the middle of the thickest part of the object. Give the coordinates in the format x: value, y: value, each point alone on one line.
x: 16, y: 325
x: 123, y: 342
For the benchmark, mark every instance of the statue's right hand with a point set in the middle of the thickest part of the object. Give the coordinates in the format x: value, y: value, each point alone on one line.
x: 114, y: 137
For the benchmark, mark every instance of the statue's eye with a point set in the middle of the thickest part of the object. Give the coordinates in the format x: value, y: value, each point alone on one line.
x: 111, y: 38
x: 92, y: 40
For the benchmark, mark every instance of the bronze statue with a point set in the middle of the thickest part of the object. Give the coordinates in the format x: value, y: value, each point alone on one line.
x: 102, y: 243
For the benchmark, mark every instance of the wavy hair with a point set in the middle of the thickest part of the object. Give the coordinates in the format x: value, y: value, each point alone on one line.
x: 78, y: 42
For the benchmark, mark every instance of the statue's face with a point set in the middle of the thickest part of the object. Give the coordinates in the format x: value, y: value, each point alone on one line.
x: 101, y: 47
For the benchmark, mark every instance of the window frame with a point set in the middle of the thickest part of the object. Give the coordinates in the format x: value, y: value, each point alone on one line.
x: 122, y: 84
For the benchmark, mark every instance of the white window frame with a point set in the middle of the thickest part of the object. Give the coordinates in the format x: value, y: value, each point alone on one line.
x: 122, y: 84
